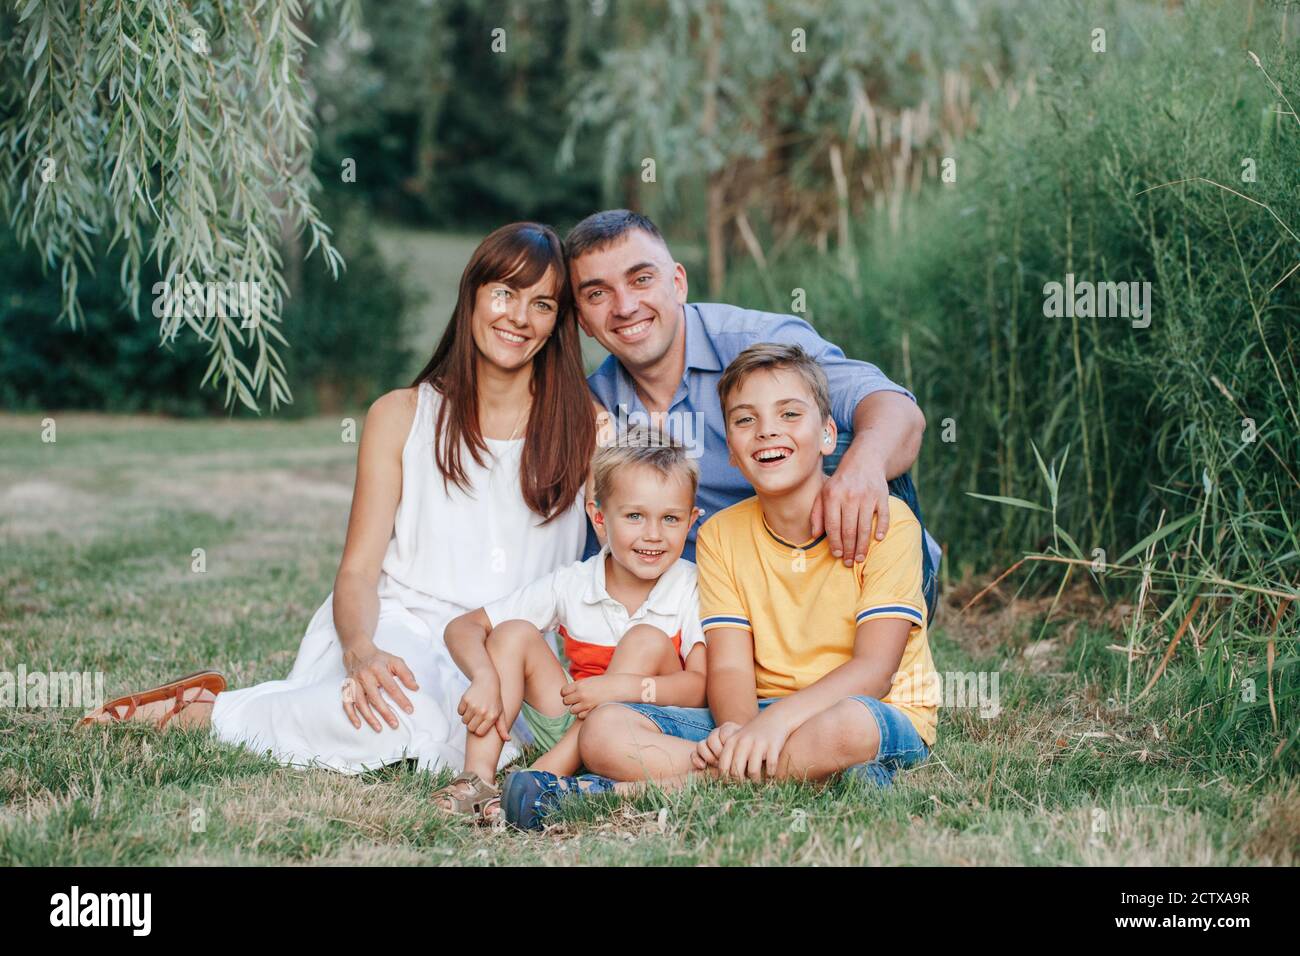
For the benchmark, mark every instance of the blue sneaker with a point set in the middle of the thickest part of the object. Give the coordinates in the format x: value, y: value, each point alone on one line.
x: 529, y: 795
x: 873, y: 773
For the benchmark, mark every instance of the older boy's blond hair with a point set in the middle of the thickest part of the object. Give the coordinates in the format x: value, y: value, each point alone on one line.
x: 641, y: 446
x: 771, y: 355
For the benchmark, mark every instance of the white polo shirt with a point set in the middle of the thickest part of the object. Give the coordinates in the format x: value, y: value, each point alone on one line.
x: 573, y: 600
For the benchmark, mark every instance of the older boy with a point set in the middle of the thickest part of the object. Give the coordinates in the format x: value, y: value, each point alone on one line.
x: 814, y: 667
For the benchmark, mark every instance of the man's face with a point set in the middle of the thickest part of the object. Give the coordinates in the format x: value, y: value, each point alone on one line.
x: 775, y: 434
x: 630, y: 297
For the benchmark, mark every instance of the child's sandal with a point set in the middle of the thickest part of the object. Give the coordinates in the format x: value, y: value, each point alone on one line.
x: 467, y: 795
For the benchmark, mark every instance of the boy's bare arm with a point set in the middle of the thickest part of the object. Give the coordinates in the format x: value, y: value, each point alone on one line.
x: 732, y: 686
x: 732, y: 691
x: 877, y: 651
x: 683, y: 688
x: 466, y: 638
x: 480, y: 707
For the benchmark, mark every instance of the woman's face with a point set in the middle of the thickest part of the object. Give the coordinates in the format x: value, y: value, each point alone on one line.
x: 511, y: 325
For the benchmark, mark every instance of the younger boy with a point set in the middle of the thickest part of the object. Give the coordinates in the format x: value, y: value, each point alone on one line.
x: 628, y: 617
x: 814, y: 667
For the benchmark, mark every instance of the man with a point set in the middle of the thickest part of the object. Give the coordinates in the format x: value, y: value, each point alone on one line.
x: 667, y: 356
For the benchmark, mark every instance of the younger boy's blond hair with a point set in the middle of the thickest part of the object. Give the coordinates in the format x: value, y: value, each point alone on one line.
x: 642, y: 446
x: 771, y: 355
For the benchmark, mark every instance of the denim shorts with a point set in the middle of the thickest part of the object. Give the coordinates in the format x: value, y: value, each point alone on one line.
x: 900, y: 745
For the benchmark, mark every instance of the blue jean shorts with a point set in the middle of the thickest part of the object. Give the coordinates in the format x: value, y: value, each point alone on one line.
x: 900, y: 745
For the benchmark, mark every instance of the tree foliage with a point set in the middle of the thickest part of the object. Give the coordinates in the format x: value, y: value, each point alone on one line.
x: 178, y: 133
x: 453, y: 109
x: 797, y: 116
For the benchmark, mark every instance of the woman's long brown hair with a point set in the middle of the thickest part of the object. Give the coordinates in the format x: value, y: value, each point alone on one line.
x: 561, y: 432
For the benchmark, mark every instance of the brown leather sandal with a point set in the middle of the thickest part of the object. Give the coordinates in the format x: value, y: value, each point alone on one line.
x: 469, y: 795
x: 208, y: 683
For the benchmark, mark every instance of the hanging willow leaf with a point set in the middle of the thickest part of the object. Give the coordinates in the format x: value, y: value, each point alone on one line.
x: 185, y: 127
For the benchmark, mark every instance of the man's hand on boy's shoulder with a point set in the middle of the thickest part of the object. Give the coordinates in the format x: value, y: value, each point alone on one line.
x: 851, y: 499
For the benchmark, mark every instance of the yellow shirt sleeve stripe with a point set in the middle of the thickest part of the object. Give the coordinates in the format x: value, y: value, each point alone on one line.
x: 891, y: 610
x: 725, y: 620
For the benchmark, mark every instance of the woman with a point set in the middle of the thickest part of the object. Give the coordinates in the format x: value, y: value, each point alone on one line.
x: 469, y: 484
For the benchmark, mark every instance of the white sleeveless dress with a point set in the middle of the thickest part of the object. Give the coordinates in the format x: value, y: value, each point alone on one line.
x: 451, y: 552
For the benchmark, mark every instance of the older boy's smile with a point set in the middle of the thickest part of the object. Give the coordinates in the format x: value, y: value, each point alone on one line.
x: 772, y: 457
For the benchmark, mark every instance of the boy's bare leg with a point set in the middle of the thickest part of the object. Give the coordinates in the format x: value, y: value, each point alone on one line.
x: 523, y: 661
x: 562, y: 759
x: 841, y: 736
x: 666, y: 784
x: 618, y: 742
x: 645, y: 649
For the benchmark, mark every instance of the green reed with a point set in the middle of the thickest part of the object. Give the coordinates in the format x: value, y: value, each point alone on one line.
x: 1180, y: 494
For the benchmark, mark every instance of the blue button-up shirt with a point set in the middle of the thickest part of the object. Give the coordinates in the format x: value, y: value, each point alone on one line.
x: 716, y: 334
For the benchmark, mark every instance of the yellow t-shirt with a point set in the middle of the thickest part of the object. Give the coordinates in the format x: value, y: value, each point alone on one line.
x: 803, y: 606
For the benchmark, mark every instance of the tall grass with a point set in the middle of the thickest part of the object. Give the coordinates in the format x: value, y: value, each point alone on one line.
x: 1180, y: 493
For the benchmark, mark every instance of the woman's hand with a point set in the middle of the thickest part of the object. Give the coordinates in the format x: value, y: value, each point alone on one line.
x: 481, y: 709
x: 370, y: 669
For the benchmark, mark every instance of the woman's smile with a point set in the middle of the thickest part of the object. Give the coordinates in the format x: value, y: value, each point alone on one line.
x: 510, y: 338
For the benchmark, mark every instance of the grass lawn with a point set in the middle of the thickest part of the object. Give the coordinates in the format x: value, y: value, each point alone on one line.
x: 97, y: 534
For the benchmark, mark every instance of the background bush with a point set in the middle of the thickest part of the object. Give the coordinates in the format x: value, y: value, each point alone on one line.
x: 111, y: 363
x: 1152, y: 418
x: 348, y: 337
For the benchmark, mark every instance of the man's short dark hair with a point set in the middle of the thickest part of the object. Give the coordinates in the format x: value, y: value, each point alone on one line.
x: 602, y: 229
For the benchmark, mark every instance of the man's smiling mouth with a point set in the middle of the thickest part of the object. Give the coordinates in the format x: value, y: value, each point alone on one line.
x: 632, y: 331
